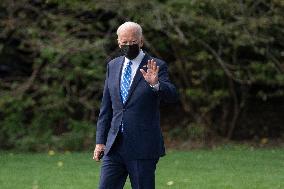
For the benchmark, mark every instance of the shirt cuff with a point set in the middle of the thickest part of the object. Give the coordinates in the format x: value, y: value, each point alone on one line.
x: 156, y: 87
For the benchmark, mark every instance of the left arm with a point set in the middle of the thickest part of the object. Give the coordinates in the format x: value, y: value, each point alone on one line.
x: 167, y: 90
x: 158, y: 75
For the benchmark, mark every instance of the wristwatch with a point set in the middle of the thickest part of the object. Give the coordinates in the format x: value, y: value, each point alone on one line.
x: 156, y: 86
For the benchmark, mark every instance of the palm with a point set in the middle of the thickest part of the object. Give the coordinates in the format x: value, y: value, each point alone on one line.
x: 151, y: 74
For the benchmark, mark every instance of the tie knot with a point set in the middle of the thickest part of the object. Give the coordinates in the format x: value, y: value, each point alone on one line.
x: 129, y: 63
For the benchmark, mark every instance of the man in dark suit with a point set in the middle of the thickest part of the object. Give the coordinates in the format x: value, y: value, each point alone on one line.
x: 128, y: 132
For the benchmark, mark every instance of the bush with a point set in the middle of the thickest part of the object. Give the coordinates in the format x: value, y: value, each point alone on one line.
x: 222, y: 55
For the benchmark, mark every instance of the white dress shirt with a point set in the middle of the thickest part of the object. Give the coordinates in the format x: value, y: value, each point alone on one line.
x: 135, y: 64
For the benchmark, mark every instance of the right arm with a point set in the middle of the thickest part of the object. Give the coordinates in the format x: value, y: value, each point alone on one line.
x: 104, y: 120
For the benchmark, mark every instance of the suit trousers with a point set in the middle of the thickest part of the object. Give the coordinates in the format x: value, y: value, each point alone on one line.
x: 116, y: 167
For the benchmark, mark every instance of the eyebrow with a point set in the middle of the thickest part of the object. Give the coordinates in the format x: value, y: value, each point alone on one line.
x: 128, y: 41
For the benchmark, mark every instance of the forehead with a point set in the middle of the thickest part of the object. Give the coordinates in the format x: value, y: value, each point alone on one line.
x: 128, y: 34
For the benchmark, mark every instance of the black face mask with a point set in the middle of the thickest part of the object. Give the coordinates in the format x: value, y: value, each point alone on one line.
x: 130, y: 51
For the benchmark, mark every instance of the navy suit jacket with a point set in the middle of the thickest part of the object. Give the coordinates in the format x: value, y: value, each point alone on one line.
x: 140, y: 113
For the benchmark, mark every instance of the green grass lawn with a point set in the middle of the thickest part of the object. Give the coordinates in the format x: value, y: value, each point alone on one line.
x: 222, y: 168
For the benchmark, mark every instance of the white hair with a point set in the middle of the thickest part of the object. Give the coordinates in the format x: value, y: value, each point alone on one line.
x: 128, y: 25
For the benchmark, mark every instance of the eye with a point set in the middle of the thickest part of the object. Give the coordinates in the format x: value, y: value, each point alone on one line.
x: 130, y: 42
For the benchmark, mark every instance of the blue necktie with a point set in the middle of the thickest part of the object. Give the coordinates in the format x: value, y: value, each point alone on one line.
x: 125, y: 85
x: 125, y: 82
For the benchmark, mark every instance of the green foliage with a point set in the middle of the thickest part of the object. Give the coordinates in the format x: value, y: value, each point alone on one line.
x: 191, y: 132
x: 217, y: 51
x: 79, y: 138
x: 66, y: 56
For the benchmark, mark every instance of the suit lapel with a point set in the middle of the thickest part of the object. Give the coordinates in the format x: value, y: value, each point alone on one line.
x: 138, y: 76
x: 117, y: 79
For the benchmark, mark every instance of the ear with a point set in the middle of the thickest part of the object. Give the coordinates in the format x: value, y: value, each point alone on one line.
x: 118, y: 43
x: 141, y: 42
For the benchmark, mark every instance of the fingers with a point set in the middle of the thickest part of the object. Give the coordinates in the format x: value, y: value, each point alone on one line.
x: 151, y: 72
x: 149, y: 64
x: 97, y: 152
x: 157, y: 70
x: 94, y: 155
x: 143, y: 72
x: 97, y: 155
x: 152, y: 65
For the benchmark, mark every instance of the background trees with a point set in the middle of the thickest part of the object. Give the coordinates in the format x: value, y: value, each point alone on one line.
x: 226, y: 58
